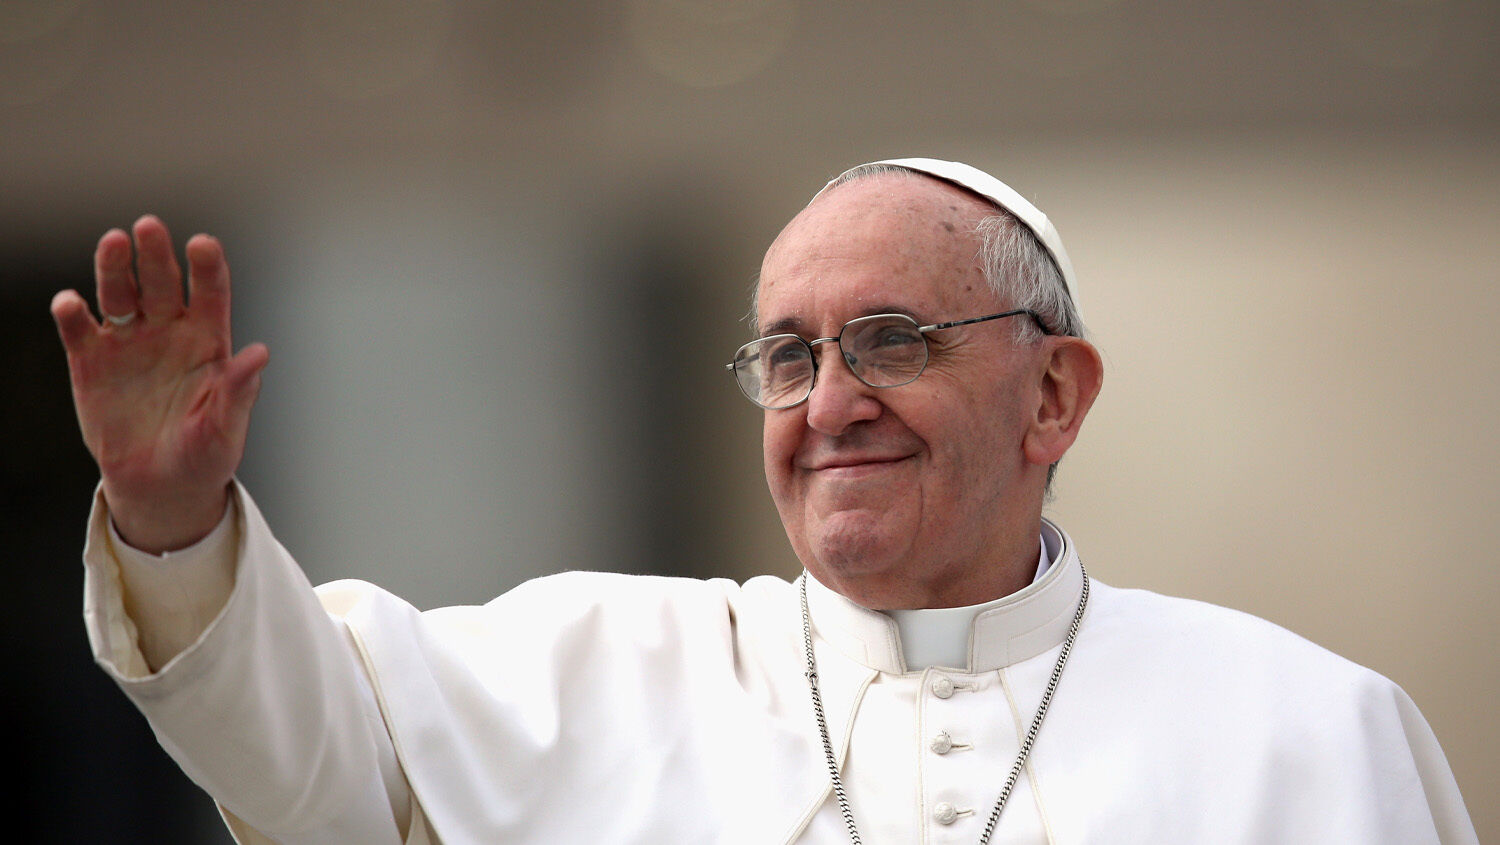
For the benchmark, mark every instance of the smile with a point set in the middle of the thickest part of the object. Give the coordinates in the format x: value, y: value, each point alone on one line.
x: 857, y: 467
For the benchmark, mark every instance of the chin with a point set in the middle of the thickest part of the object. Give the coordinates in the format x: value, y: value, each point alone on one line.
x: 854, y: 546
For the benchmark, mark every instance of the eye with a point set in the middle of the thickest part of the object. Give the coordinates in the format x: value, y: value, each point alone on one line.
x: 787, y: 354
x: 885, y: 338
x: 895, y: 336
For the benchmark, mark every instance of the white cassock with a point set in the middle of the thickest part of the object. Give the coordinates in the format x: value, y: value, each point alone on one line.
x: 602, y: 708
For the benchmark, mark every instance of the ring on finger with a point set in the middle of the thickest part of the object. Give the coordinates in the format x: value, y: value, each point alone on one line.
x: 120, y: 320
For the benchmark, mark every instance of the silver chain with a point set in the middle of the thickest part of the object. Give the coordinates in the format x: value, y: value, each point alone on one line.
x: 1015, y: 770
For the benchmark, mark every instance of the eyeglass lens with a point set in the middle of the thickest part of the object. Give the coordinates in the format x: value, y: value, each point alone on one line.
x: 885, y: 350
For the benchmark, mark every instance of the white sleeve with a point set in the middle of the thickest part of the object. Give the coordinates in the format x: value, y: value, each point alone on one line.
x: 266, y: 706
x: 171, y: 598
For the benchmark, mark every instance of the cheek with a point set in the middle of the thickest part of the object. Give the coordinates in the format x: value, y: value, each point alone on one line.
x: 778, y: 444
x: 991, y: 444
x: 970, y: 434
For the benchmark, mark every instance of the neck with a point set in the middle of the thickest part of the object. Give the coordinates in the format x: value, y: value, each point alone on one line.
x: 926, y: 584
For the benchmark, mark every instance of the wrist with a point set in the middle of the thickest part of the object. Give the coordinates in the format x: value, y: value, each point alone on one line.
x: 166, y: 523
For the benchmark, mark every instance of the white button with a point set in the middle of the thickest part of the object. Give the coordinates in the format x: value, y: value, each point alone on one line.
x: 942, y: 743
x: 942, y: 688
x: 945, y: 813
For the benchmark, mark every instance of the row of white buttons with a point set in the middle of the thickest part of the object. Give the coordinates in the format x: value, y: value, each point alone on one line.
x: 944, y: 812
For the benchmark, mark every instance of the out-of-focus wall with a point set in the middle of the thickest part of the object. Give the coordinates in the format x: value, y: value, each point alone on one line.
x: 500, y: 254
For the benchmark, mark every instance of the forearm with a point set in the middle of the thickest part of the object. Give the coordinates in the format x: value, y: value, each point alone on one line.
x: 173, y: 597
x: 265, y: 707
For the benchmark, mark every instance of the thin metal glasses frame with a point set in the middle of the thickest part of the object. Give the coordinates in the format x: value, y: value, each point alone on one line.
x: 810, y: 344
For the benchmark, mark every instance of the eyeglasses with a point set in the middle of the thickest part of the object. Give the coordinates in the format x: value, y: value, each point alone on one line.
x: 882, y: 350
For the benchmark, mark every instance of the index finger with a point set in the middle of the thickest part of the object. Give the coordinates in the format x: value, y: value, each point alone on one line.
x: 208, y: 280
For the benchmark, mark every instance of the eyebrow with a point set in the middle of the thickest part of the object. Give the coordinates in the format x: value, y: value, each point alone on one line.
x: 790, y: 325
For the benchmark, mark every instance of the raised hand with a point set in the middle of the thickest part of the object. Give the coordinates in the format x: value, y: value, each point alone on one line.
x: 163, y: 401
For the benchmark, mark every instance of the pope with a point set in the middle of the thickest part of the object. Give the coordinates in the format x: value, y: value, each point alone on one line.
x: 944, y: 670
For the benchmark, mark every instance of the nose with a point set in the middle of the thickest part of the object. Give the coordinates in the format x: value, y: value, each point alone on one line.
x: 839, y: 399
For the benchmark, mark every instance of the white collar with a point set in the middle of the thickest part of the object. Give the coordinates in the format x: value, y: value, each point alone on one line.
x: 977, y: 638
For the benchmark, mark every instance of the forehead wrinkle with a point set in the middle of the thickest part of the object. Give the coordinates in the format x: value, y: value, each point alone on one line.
x: 950, y: 209
x: 841, y: 228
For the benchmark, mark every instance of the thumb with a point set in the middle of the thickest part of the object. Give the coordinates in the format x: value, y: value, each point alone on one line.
x: 242, y: 376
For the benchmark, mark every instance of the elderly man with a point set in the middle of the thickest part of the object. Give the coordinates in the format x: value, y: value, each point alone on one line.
x: 944, y: 671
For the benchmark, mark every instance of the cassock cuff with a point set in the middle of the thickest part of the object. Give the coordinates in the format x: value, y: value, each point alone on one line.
x: 143, y: 609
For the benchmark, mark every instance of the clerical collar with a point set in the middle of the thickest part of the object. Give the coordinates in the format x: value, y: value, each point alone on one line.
x: 977, y: 638
x: 939, y: 636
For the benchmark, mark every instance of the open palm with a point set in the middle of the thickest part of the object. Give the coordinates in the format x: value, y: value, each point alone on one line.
x: 163, y: 401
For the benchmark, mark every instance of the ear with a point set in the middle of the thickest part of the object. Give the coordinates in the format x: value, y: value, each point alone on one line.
x: 1069, y: 382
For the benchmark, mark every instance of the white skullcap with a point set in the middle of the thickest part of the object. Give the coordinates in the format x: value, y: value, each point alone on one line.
x: 997, y: 192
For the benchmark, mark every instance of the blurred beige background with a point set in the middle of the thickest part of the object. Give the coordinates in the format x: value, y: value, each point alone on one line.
x: 500, y: 252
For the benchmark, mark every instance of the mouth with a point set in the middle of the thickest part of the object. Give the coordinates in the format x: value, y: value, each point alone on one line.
x: 851, y: 465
